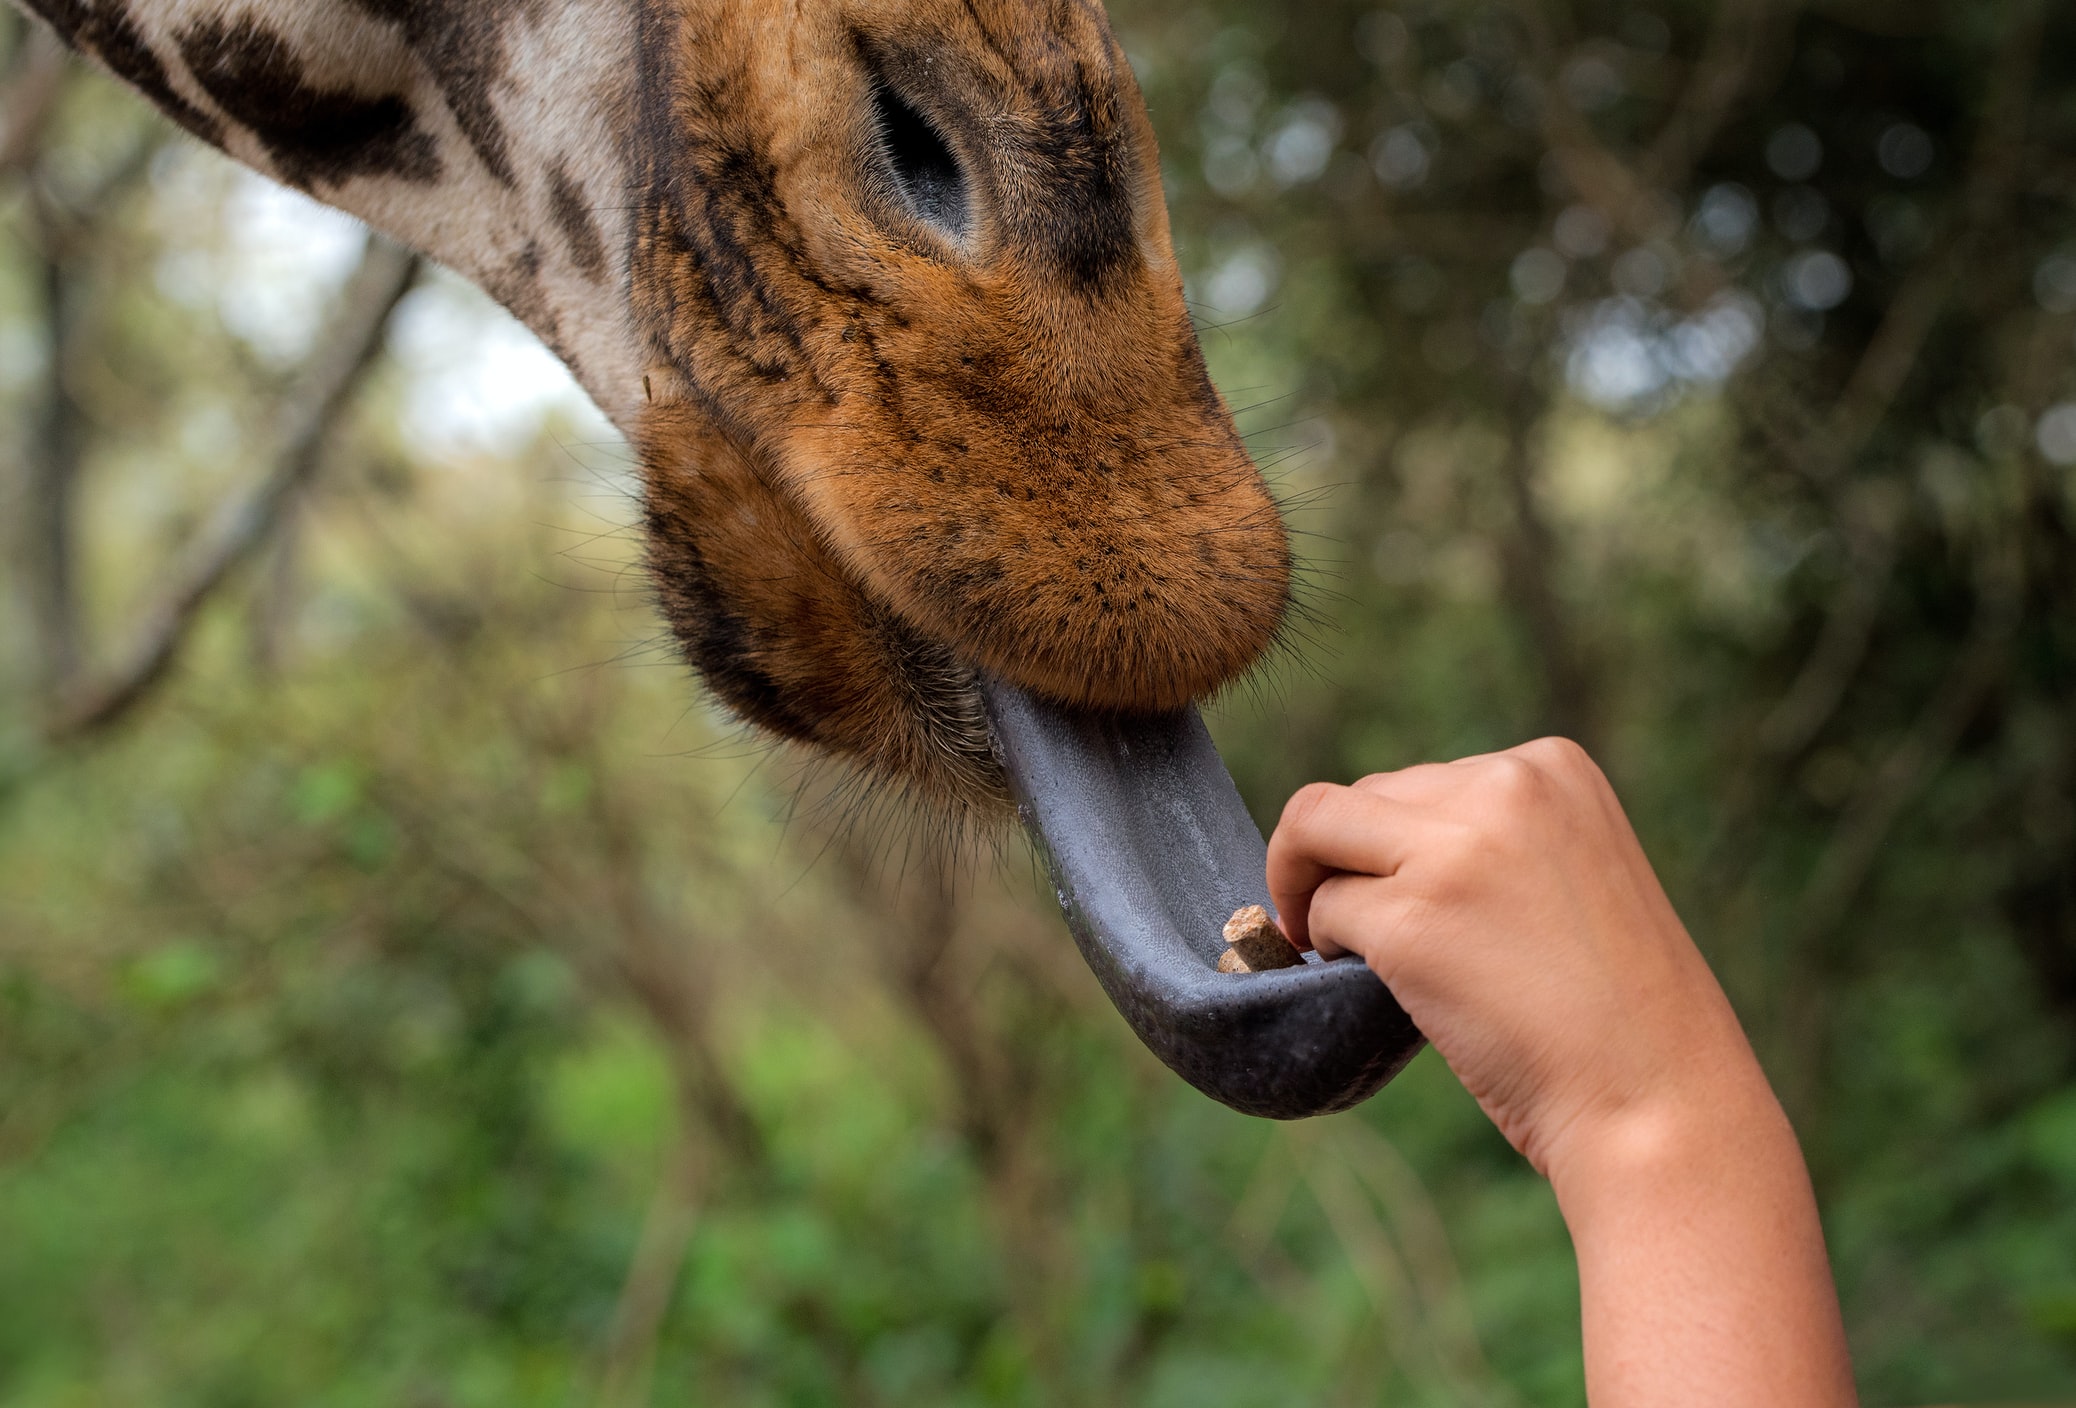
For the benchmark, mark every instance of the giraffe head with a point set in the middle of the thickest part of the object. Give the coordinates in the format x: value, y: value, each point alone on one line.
x: 882, y: 290
x: 923, y: 398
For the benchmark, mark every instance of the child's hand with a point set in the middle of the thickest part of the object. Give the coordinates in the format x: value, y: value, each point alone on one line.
x: 1506, y: 903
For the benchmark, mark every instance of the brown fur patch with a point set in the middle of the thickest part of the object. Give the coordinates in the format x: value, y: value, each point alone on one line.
x: 784, y: 635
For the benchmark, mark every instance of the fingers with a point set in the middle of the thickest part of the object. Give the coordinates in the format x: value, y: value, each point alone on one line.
x: 1327, y: 830
x: 1428, y: 784
x: 1358, y: 914
x: 1378, y: 824
x: 1421, y: 783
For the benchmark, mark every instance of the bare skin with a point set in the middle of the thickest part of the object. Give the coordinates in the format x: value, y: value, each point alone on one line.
x: 1505, y: 901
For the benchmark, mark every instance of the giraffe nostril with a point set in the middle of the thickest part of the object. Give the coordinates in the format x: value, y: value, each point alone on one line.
x: 925, y: 171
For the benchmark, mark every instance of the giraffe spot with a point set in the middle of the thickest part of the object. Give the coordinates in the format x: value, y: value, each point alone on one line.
x: 313, y: 134
x: 110, y: 36
x: 1082, y: 162
x: 463, y: 43
x: 518, y: 287
x: 567, y: 204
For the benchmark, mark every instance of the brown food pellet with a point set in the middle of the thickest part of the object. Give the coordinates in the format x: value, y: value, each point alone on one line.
x: 1254, y: 944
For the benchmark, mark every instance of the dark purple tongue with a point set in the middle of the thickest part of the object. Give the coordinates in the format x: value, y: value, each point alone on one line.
x: 1150, y: 852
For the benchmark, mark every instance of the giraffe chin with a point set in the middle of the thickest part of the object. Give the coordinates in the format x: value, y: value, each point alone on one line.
x: 798, y: 636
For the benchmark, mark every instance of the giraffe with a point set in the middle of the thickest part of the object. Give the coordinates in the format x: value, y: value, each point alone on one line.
x: 881, y: 291
x: 883, y: 295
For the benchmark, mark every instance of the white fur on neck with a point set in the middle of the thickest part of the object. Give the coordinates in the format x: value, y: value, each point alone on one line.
x: 569, y: 74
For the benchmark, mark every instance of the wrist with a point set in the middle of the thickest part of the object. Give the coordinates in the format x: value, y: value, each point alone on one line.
x: 1702, y: 1273
x: 1683, y: 1141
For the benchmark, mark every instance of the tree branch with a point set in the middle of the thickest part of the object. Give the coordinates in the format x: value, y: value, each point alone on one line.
x: 1632, y: 194
x: 51, y: 454
x: 1871, y: 814
x: 652, y: 1274
x: 1999, y: 155
x: 1811, y: 700
x: 1892, y: 353
x: 308, y: 414
x: 1800, y: 715
x: 1722, y: 76
x: 1885, y: 366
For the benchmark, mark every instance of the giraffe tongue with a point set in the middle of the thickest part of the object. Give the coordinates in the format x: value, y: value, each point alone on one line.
x: 1150, y: 851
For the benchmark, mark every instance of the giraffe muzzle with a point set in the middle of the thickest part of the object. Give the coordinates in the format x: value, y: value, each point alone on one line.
x: 1150, y: 850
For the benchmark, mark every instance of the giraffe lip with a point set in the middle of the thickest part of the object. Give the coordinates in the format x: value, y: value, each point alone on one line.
x: 1150, y: 851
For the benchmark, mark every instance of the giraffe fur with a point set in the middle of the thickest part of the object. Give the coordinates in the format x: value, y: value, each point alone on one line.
x: 881, y: 291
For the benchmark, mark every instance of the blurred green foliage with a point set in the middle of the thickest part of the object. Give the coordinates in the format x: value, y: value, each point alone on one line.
x: 425, y: 997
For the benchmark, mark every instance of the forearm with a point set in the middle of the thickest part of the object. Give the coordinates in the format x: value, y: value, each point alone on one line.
x: 1702, y: 1272
x: 1510, y: 909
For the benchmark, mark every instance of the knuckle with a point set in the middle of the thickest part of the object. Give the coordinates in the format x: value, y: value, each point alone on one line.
x: 1305, y: 806
x: 1515, y: 782
x: 1514, y: 801
x: 1562, y: 758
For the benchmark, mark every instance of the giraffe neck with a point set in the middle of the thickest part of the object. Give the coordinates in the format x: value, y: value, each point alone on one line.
x: 489, y: 134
